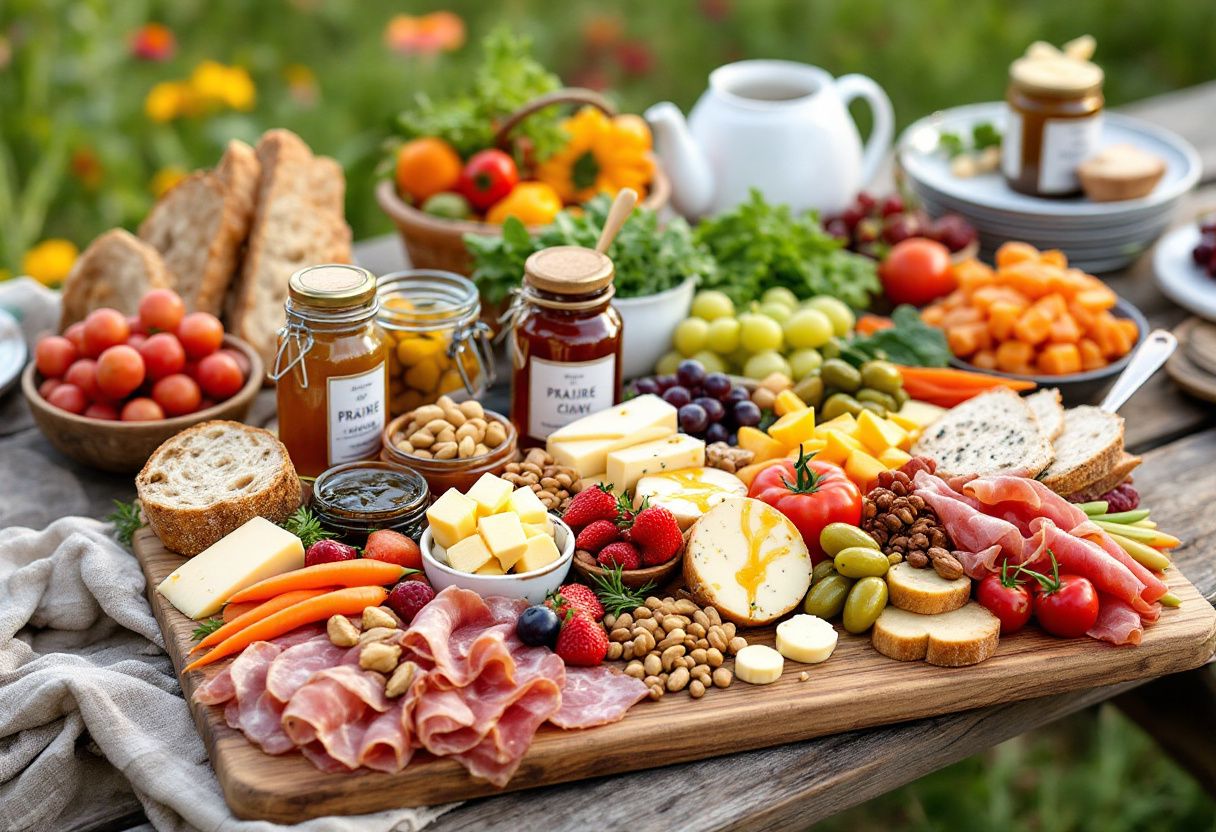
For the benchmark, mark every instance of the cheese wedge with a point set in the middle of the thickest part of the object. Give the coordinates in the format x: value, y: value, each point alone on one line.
x: 628, y: 465
x: 255, y: 551
x: 585, y: 443
x: 806, y: 638
x: 759, y: 664
x: 689, y: 492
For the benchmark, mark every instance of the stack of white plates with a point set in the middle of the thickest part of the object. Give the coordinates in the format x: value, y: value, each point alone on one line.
x: 1096, y: 236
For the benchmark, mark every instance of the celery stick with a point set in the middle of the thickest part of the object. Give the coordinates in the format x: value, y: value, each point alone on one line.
x: 1123, y: 516
x: 1096, y: 507
x: 1146, y: 556
x: 1150, y: 536
x: 1169, y: 599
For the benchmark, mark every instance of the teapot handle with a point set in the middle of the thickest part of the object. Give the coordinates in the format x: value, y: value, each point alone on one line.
x: 879, y: 143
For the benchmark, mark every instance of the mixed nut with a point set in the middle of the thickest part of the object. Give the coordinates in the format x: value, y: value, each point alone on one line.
x: 727, y: 457
x: 554, y: 484
x: 905, y: 526
x: 447, y: 430
x: 377, y: 635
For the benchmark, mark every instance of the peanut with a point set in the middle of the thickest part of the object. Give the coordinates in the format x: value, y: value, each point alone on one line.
x: 473, y: 409
x: 620, y: 634
x: 652, y: 664
x: 716, y: 638
x: 722, y: 677
x: 376, y: 634
x: 678, y: 679
x: 400, y: 681
x: 614, y: 651
x: 713, y: 657
x: 736, y: 644
x: 624, y: 620
x: 672, y: 653
x: 635, y: 669
x: 341, y: 632
x: 699, y: 656
x: 696, y: 688
x: 656, y: 692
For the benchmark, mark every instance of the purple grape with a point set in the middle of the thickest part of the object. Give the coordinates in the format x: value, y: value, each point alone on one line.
x: 893, y: 204
x: 737, y: 394
x: 717, y: 432
x: 853, y: 215
x: 954, y: 232
x: 1203, y: 253
x: 712, y: 407
x: 693, y: 419
x: 665, y: 381
x: 677, y: 396
x: 690, y: 373
x: 716, y: 385
x: 747, y: 414
x: 646, y: 385
x: 865, y: 201
x: 839, y: 229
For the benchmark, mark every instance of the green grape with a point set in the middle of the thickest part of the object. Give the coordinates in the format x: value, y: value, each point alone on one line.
x: 803, y: 362
x: 838, y: 313
x: 781, y: 295
x: 666, y: 365
x: 763, y: 364
x: 710, y: 304
x: 712, y: 362
x: 759, y: 333
x: 690, y: 336
x: 723, y: 336
x: 779, y: 312
x: 808, y: 328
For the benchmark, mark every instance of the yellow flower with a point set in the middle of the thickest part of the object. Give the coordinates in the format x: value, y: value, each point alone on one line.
x: 216, y: 84
x: 164, y: 180
x: 168, y: 100
x: 50, y: 261
x: 603, y: 155
x: 301, y: 82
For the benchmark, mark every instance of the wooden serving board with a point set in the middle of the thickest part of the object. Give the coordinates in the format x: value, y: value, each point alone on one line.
x: 856, y: 688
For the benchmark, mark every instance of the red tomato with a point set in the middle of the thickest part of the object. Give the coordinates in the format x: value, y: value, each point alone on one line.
x: 134, y: 324
x: 241, y: 360
x: 201, y: 333
x: 53, y: 355
x: 68, y: 397
x: 102, y: 410
x: 220, y: 376
x: 1065, y: 605
x: 393, y: 547
x: 812, y: 495
x: 136, y: 340
x: 142, y: 410
x: 104, y: 328
x: 488, y: 177
x: 177, y: 394
x: 83, y: 373
x: 161, y: 310
x: 917, y: 271
x: 119, y: 371
x: 163, y: 355
x: 48, y: 387
x: 1006, y: 598
x: 75, y: 334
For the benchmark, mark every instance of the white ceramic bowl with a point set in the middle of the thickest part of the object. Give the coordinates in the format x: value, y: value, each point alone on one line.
x: 648, y: 323
x: 532, y: 586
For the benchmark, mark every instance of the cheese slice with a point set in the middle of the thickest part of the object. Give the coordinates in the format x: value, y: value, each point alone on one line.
x: 806, y: 638
x: 585, y: 444
x: 689, y: 492
x: 628, y: 465
x: 255, y: 551
x: 759, y: 664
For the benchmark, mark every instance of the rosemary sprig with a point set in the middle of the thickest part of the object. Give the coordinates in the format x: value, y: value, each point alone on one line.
x: 206, y: 628
x: 615, y: 596
x: 305, y: 525
x: 126, y: 519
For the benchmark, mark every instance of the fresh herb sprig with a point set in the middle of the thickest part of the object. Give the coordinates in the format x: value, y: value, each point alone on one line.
x: 206, y: 628
x: 615, y: 596
x: 305, y: 525
x: 910, y: 341
x: 127, y: 521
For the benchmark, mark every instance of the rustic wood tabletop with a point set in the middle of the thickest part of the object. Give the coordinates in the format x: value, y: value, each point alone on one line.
x: 793, y: 786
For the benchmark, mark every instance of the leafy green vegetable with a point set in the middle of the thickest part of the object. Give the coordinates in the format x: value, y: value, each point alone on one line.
x: 206, y: 628
x: 127, y: 521
x: 911, y: 341
x: 758, y: 246
x: 952, y: 144
x: 985, y: 134
x: 305, y: 525
x: 649, y: 258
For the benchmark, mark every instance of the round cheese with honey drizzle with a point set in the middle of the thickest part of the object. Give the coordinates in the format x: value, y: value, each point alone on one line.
x: 688, y: 492
x: 746, y: 559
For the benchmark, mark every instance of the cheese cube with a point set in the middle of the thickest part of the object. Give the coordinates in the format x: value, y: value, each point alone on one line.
x: 838, y: 447
x: 628, y: 465
x: 863, y: 469
x: 504, y: 535
x: 545, y: 527
x: 470, y: 554
x: 844, y: 423
x: 878, y: 434
x: 527, y: 505
x: 585, y: 443
x: 492, y: 567
x: 453, y: 517
x: 255, y: 551
x: 540, y: 551
x: 794, y: 427
x: 788, y: 402
x: 894, y: 457
x: 491, y: 494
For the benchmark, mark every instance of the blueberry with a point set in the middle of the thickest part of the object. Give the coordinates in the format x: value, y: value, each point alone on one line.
x: 538, y: 627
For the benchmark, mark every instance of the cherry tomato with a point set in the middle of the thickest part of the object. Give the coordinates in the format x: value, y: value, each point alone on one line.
x: 393, y: 547
x: 119, y: 371
x: 917, y: 271
x: 102, y: 410
x: 487, y: 177
x: 241, y: 360
x: 161, y: 310
x: 104, y: 328
x: 68, y: 397
x: 1065, y: 605
x: 163, y: 355
x: 75, y: 334
x: 53, y: 355
x: 47, y: 387
x: 83, y: 373
x: 812, y: 495
x: 141, y: 410
x: 1007, y: 598
x: 135, y: 325
x: 177, y: 394
x: 220, y: 376
x: 201, y: 333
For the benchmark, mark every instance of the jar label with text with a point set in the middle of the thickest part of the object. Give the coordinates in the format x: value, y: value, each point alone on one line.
x: 1067, y: 142
x: 356, y: 415
x: 561, y: 392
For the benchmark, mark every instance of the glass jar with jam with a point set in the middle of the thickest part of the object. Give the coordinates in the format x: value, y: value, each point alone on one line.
x: 331, y: 367
x: 1055, y: 121
x: 565, y: 341
x: 358, y: 498
x: 438, y: 344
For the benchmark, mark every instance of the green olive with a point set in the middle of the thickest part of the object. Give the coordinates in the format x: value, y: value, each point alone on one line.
x: 836, y: 537
x: 826, y: 598
x: 838, y: 404
x: 831, y: 349
x: 810, y: 390
x: 881, y: 375
x: 822, y: 570
x: 838, y: 373
x: 901, y: 397
x: 885, y: 400
x: 861, y: 562
x: 875, y: 408
x: 865, y: 603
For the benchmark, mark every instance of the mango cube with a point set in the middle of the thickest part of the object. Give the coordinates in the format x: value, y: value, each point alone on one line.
x: 878, y: 434
x: 922, y: 413
x: 788, y: 402
x: 748, y: 472
x: 453, y: 517
x: 527, y: 505
x: 794, y: 427
x: 760, y: 443
x: 491, y: 494
x: 838, y: 447
x: 540, y: 551
x: 504, y: 535
x: 894, y: 457
x: 470, y: 554
x: 844, y: 423
x: 863, y: 469
x: 810, y: 447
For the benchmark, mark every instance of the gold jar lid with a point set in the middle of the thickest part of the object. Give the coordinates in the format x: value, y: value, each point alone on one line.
x: 569, y: 270
x: 333, y: 286
x: 1058, y: 73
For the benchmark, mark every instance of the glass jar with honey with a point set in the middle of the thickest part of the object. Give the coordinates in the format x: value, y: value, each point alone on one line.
x: 331, y: 367
x: 437, y: 343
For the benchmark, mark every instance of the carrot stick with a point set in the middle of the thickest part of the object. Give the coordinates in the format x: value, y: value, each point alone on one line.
x: 869, y: 323
x: 233, y: 611
x: 348, y: 601
x: 949, y: 377
x: 257, y: 613
x: 360, y: 572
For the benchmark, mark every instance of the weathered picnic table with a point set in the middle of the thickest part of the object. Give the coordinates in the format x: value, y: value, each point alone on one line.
x: 793, y: 786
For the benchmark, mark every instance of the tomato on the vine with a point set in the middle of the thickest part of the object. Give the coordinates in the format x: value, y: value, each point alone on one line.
x: 811, y: 494
x: 1006, y: 598
x: 1065, y: 605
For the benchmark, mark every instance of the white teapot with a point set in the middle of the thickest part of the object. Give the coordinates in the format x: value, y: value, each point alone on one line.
x: 779, y: 126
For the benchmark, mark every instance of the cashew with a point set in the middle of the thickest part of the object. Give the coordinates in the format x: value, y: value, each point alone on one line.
x: 374, y: 617
x: 401, y: 679
x: 341, y: 632
x: 377, y: 634
x: 379, y: 656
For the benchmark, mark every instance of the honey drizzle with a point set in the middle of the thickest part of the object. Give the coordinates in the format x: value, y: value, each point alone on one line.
x: 695, y: 490
x: 751, y: 575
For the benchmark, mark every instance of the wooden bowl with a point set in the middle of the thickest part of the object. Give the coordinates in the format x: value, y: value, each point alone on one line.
x: 124, y: 447
x: 661, y: 575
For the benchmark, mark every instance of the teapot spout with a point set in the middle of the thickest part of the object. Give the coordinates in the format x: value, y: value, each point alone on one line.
x: 683, y: 161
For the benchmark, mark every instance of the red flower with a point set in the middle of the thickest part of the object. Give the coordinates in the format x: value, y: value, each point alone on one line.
x: 153, y: 42
x: 427, y: 35
x: 635, y: 57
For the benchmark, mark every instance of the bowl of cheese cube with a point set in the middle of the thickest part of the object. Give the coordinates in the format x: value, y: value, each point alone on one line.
x: 496, y: 539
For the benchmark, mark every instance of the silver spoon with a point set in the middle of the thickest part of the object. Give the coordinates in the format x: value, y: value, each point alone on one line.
x: 1146, y: 360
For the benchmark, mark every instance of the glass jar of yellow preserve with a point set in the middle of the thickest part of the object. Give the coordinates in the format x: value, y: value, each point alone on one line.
x: 331, y: 367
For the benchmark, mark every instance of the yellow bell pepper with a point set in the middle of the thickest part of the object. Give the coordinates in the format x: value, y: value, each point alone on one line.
x: 532, y: 203
x: 603, y: 155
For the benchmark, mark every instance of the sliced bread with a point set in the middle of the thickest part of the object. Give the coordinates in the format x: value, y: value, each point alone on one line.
x: 1048, y: 408
x: 964, y: 636
x: 116, y: 270
x: 1089, y: 447
x: 213, y: 478
x: 298, y: 221
x: 1118, y: 475
x: 924, y: 591
x: 200, y: 226
x: 993, y: 433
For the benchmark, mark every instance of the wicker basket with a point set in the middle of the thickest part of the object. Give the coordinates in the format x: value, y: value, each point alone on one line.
x: 437, y: 243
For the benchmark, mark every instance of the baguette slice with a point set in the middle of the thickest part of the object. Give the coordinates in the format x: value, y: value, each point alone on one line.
x: 201, y: 224
x: 298, y: 222
x: 1087, y: 450
x: 1048, y: 408
x: 211, y: 479
x: 968, y: 635
x: 924, y: 591
x: 1121, y: 473
x: 993, y: 433
x: 116, y: 270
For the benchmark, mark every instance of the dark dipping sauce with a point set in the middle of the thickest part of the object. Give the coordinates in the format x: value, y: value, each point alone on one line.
x: 358, y: 498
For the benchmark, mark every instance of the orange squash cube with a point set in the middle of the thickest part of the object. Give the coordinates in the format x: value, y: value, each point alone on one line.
x: 1059, y: 359
x: 1032, y: 326
x: 1014, y: 356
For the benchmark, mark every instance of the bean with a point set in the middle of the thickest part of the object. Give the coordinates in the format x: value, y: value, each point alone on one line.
x: 866, y: 601
x: 737, y: 643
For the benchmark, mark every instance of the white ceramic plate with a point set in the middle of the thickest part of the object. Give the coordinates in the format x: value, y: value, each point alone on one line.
x: 12, y: 351
x: 1179, y: 278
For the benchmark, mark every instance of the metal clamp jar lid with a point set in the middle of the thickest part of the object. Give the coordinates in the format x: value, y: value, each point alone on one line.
x: 335, y: 296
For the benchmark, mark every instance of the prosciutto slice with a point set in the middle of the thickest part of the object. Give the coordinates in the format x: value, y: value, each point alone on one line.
x: 1117, y: 622
x: 596, y: 696
x: 258, y: 713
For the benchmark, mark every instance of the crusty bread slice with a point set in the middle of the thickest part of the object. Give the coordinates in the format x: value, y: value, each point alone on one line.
x: 116, y: 270
x: 1118, y: 475
x: 993, y: 433
x: 1048, y: 408
x: 200, y: 226
x: 1088, y: 448
x: 298, y: 221
x: 958, y: 638
x: 213, y: 478
x: 924, y: 591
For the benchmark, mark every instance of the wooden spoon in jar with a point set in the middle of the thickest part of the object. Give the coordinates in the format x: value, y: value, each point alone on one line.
x: 621, y: 208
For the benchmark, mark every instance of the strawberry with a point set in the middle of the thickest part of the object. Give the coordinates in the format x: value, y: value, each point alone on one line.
x: 576, y: 598
x: 621, y: 554
x: 582, y: 641
x: 656, y: 532
x: 596, y: 535
x: 589, y: 505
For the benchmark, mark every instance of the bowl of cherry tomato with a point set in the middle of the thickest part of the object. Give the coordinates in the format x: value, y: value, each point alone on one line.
x: 111, y: 388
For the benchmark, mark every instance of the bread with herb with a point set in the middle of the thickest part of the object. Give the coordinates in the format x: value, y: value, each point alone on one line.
x: 995, y: 432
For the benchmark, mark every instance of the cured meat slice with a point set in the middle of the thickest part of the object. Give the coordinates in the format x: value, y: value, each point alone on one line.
x: 1089, y: 560
x: 971, y: 529
x: 335, y: 708
x: 217, y: 690
x: 1117, y: 622
x: 429, y: 637
x: 596, y: 696
x: 259, y: 713
x: 296, y: 665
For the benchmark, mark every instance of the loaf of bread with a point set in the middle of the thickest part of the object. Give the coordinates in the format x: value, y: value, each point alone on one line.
x: 116, y: 270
